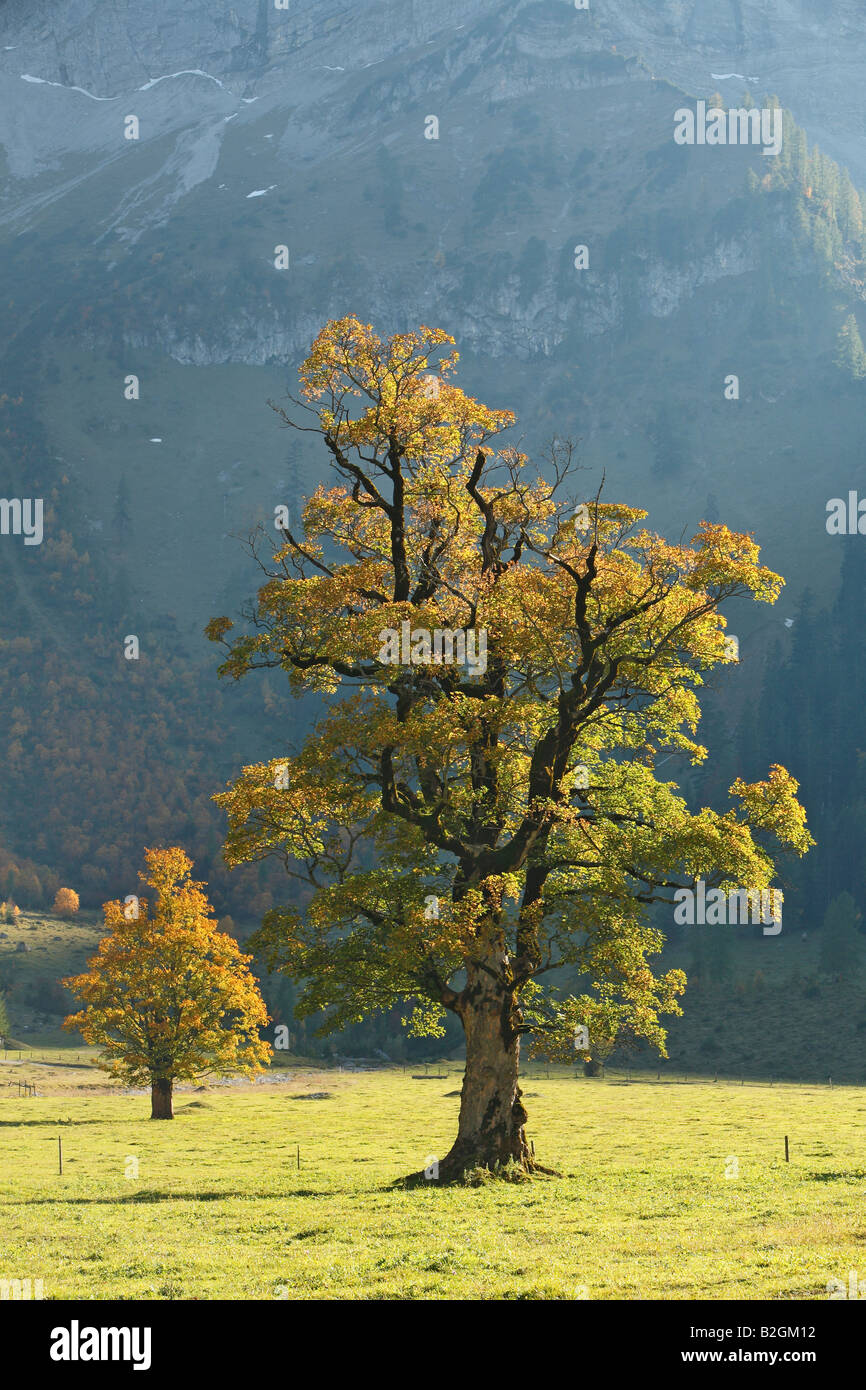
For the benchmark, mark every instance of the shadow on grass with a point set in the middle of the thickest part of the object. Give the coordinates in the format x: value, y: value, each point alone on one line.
x: 58, y: 1066
x: 12, y: 1124
x: 849, y: 1175
x: 110, y: 1120
x: 149, y: 1196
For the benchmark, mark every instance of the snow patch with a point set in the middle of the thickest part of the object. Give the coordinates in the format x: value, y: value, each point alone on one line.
x: 260, y: 192
x: 184, y: 72
x: 726, y: 77
x: 43, y: 82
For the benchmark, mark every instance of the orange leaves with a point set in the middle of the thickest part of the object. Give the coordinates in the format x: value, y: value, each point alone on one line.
x: 66, y: 902
x: 167, y: 993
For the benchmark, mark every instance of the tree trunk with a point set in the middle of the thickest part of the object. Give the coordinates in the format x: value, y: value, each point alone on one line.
x: 161, y: 1099
x: 492, y: 1117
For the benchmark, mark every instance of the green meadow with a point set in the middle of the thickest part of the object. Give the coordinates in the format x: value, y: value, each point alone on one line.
x: 668, y: 1189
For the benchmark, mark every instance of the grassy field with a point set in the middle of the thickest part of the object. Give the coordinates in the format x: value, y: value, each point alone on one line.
x: 668, y: 1190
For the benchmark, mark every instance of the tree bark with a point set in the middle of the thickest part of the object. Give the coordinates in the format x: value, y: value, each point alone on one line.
x: 161, y: 1098
x: 491, y: 1129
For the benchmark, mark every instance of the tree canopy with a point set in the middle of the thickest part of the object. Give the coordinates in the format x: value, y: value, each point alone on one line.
x: 503, y: 815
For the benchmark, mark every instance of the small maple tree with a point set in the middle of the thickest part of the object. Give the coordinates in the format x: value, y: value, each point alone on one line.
x: 168, y: 996
x: 464, y: 829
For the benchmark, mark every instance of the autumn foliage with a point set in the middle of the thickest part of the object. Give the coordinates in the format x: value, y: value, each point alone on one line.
x: 169, y: 997
x: 66, y: 902
x: 461, y: 833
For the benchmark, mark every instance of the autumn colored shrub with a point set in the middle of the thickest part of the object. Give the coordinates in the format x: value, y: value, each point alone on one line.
x: 66, y: 902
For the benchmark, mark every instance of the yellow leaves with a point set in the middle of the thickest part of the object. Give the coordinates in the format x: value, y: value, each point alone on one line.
x: 332, y: 512
x: 349, y: 356
x: 773, y: 806
x: 624, y: 1008
x: 293, y: 804
x: 458, y: 928
x: 351, y: 367
x: 728, y: 557
x: 217, y: 628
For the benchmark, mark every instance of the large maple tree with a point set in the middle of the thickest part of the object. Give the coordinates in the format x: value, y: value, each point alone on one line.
x: 466, y: 829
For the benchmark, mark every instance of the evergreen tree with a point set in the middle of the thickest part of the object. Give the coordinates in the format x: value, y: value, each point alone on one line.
x: 799, y: 150
x: 391, y: 196
x: 122, y: 519
x: 822, y: 242
x: 829, y: 173
x: 850, y: 211
x: 850, y: 355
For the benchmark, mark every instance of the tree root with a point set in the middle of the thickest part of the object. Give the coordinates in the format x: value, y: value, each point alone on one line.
x: 479, y: 1176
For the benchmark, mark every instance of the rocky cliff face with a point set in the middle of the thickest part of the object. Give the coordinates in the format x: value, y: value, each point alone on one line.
x: 290, y: 106
x: 813, y: 57
x: 420, y: 163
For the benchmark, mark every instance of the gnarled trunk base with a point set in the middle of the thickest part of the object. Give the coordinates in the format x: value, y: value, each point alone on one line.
x: 491, y: 1132
x: 496, y: 1141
